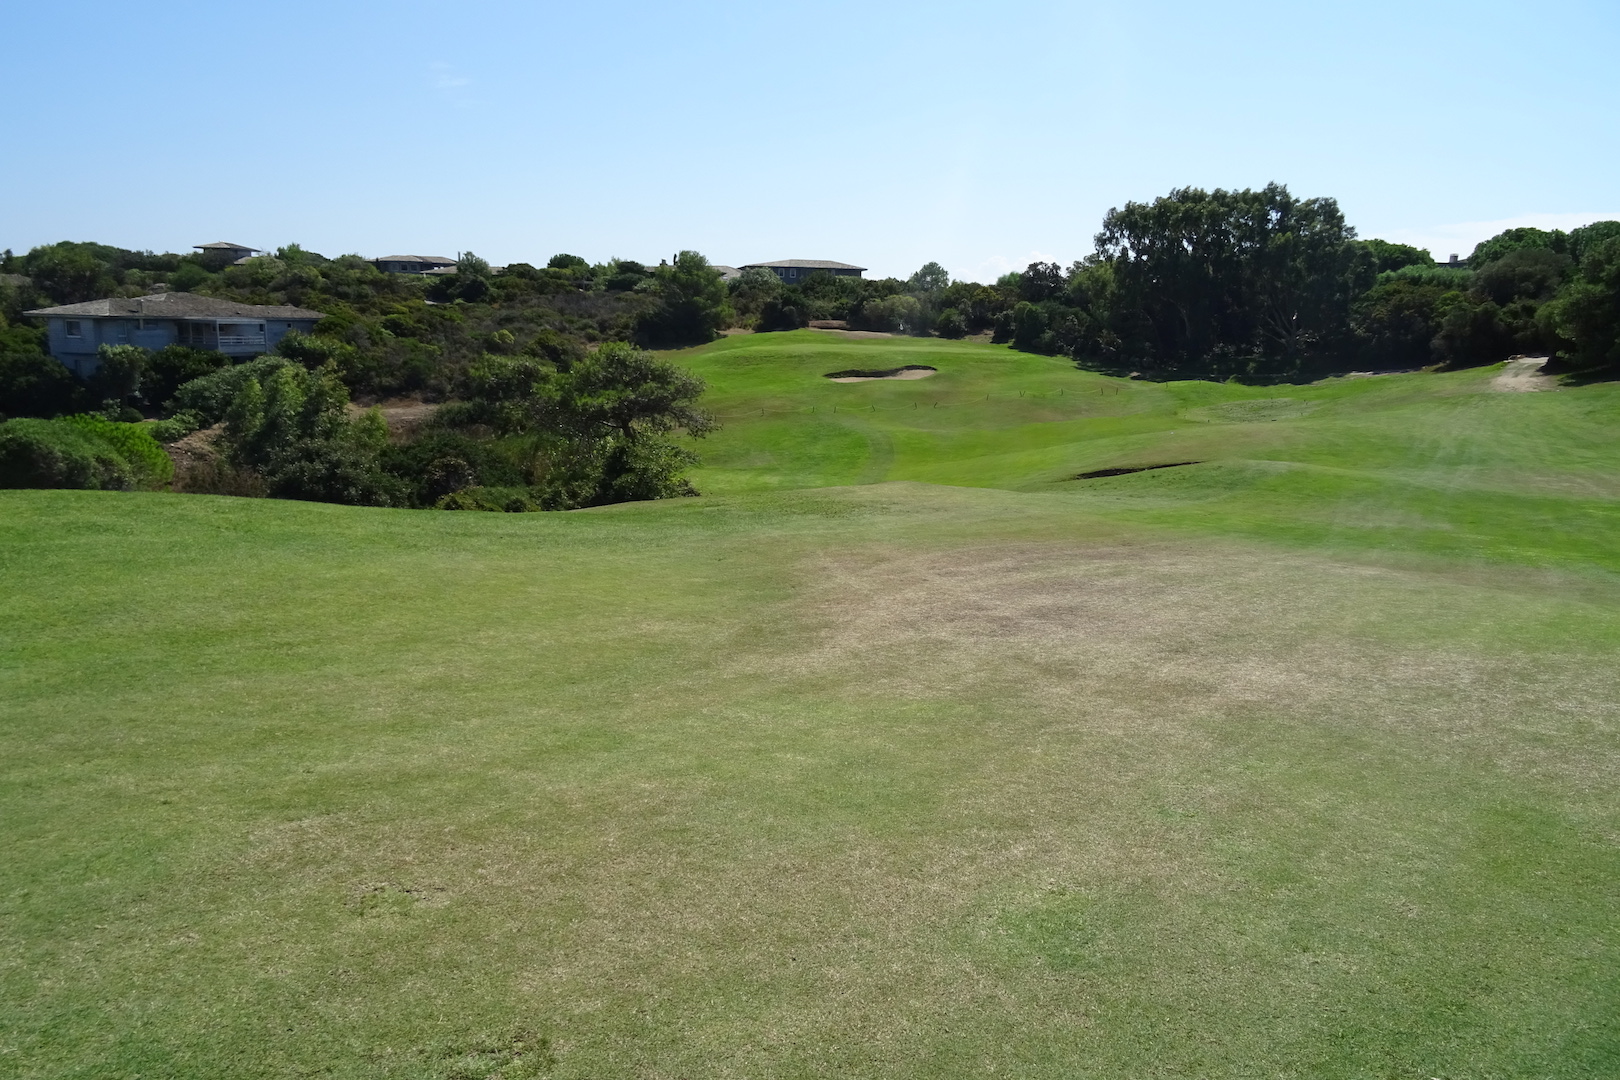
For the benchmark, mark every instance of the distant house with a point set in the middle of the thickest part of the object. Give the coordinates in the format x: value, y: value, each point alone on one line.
x: 223, y: 253
x: 76, y: 331
x: 794, y: 271
x: 727, y: 273
x: 414, y: 264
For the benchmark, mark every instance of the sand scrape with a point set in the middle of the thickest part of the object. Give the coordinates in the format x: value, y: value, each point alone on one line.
x: 1522, y: 374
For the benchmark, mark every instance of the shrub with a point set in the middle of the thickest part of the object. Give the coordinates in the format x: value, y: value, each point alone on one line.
x: 211, y: 395
x: 951, y: 324
x: 172, y: 366
x: 38, y: 453
x: 511, y: 500
x: 33, y: 384
x: 133, y: 442
x: 175, y: 428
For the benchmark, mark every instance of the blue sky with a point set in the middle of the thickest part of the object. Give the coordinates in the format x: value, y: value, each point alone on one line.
x: 885, y: 134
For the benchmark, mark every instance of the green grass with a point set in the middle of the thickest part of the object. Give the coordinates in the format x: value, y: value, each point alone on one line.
x: 1297, y: 763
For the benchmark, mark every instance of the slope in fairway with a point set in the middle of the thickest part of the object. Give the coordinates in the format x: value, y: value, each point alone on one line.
x: 1299, y: 762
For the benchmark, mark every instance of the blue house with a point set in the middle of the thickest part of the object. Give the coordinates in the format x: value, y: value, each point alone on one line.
x: 794, y: 271
x: 76, y: 331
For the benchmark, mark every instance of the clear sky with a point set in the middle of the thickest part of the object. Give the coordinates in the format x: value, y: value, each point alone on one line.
x: 880, y: 133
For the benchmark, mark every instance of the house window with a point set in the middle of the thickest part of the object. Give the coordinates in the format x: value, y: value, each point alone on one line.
x: 261, y: 328
x: 73, y: 328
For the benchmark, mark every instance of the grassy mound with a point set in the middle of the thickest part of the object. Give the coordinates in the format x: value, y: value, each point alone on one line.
x: 1300, y: 761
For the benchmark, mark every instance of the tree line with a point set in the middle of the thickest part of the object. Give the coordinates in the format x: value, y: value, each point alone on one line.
x: 550, y: 399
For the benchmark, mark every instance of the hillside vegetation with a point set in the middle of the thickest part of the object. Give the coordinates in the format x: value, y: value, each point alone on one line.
x: 900, y: 753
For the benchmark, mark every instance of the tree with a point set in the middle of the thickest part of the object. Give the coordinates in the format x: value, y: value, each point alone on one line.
x: 33, y: 384
x: 932, y: 278
x: 70, y: 273
x: 1387, y: 257
x: 1587, y: 313
x: 1524, y: 273
x: 693, y: 304
x: 951, y: 324
x: 1588, y: 238
x: 594, y: 429
x: 295, y: 432
x: 1255, y: 273
x: 1396, y: 321
x: 1487, y: 251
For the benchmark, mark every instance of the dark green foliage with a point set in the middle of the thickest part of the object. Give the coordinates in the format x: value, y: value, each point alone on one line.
x: 510, y: 500
x: 171, y: 367
x: 1474, y: 332
x: 1003, y: 328
x: 951, y: 324
x: 16, y: 338
x: 567, y: 262
x: 1387, y: 257
x: 1488, y: 251
x: 295, y: 432
x: 931, y: 280
x: 443, y: 462
x: 117, y: 378
x: 693, y: 304
x: 786, y: 310
x: 37, y: 453
x: 1029, y: 327
x: 1396, y: 321
x: 190, y: 278
x: 33, y: 384
x: 210, y: 396
x: 1253, y: 274
x: 1587, y: 314
x: 589, y: 432
x: 1522, y: 274
x: 1588, y: 238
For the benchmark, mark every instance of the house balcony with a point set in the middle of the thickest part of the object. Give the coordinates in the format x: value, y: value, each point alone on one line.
x: 241, y: 341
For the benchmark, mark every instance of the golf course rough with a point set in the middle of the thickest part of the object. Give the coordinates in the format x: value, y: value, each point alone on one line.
x: 900, y: 752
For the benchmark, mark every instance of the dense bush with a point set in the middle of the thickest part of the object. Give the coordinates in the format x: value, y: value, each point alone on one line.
x: 133, y: 442
x: 209, y: 397
x: 37, y: 453
x: 170, y: 368
x: 33, y: 384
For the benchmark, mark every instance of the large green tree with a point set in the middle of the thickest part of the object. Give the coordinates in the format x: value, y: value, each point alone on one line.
x: 1256, y: 275
x: 693, y: 304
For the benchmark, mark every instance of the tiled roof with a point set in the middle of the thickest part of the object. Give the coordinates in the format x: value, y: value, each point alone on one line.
x: 221, y: 245
x: 432, y: 260
x: 806, y: 264
x: 174, y: 305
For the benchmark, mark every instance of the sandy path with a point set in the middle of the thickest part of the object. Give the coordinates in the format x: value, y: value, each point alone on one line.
x: 1523, y: 374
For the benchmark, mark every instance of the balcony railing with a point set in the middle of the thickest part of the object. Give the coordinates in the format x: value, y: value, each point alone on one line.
x: 227, y: 340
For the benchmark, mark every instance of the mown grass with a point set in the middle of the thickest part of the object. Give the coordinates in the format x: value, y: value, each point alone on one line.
x: 1300, y: 762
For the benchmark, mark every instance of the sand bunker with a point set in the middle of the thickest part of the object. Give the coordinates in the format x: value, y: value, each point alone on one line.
x: 910, y: 371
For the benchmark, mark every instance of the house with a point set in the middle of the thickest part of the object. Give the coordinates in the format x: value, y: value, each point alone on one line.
x: 224, y: 253
x: 414, y: 264
x: 727, y: 273
x: 794, y: 271
x: 75, y: 331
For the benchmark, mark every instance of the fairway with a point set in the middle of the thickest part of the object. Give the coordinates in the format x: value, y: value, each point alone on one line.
x: 899, y: 753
